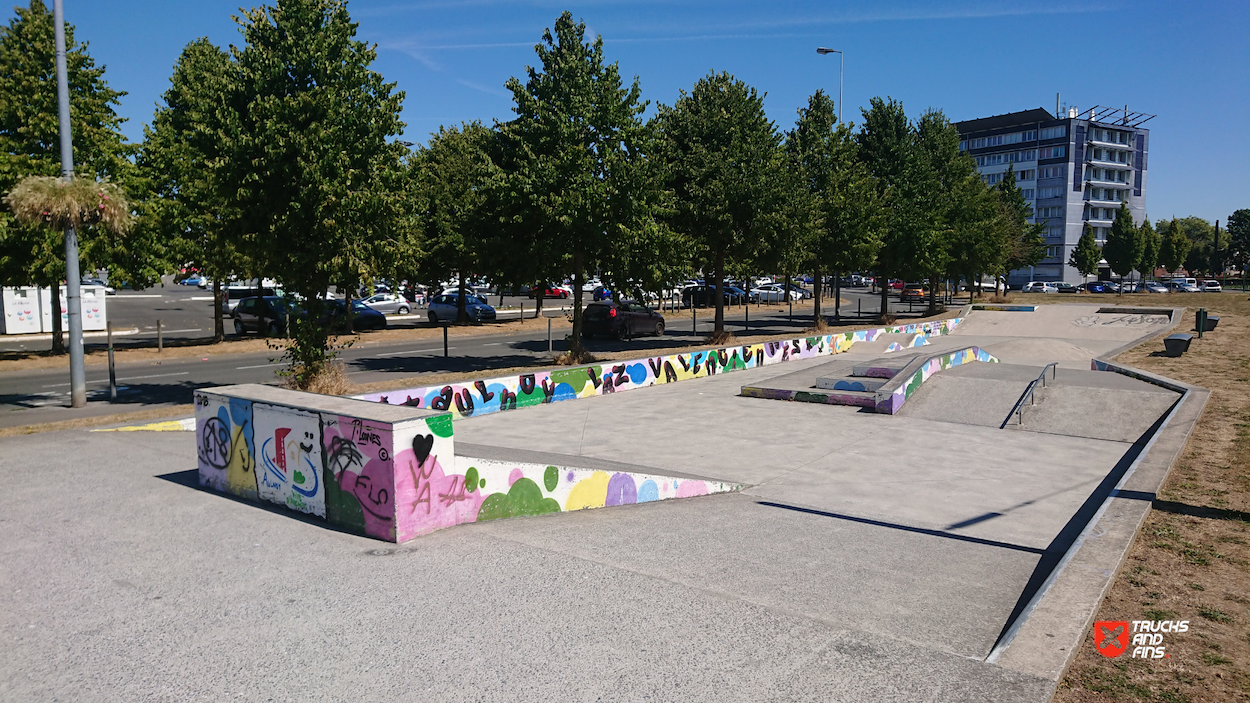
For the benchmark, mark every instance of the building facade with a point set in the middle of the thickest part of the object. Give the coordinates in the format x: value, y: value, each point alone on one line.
x: 1074, y: 170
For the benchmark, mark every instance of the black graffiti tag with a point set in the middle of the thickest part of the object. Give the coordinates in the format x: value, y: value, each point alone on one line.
x: 215, y: 443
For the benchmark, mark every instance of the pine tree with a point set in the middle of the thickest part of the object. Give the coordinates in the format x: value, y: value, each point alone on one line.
x: 1152, y: 243
x: 1175, y: 247
x: 1086, y: 255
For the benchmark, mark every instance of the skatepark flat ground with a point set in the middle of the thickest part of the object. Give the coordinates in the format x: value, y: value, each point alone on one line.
x: 869, y: 557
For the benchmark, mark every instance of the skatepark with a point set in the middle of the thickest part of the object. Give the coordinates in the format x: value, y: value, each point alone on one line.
x: 951, y: 550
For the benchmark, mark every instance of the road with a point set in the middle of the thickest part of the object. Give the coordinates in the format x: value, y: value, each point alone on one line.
x: 34, y: 396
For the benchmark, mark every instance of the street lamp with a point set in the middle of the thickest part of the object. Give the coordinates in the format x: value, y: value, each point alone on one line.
x: 822, y: 51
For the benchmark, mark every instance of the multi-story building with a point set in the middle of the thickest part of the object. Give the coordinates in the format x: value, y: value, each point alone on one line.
x: 1075, y: 169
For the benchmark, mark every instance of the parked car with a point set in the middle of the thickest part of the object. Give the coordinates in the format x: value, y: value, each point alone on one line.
x: 705, y: 295
x: 627, y: 318
x: 1039, y: 287
x: 1211, y: 287
x: 193, y: 280
x: 896, y: 284
x: 804, y: 293
x: 363, y: 316
x: 443, y: 308
x: 1098, y: 287
x: 265, y: 315
x: 108, y: 290
x: 388, y: 304
x: 1065, y: 287
x: 549, y: 290
x: 773, y: 293
x: 232, y: 294
x: 1184, y: 285
x: 600, y: 293
x: 914, y: 292
x: 1155, y: 287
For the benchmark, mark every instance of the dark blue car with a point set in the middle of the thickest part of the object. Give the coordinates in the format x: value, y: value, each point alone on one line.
x: 1097, y: 287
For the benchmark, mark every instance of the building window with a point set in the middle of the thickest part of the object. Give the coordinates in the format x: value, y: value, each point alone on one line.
x: 1053, y: 172
x: 1052, y: 192
x: 1054, y: 252
x: 1027, y: 193
x: 1026, y: 175
x: 1052, y: 152
x: 1051, y: 211
x: 1053, y: 132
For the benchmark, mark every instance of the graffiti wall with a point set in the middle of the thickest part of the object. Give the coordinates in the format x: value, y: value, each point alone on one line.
x: 519, y: 391
x: 392, y: 480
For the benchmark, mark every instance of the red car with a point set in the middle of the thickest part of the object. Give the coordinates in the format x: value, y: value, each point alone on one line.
x: 896, y: 284
x: 548, y: 291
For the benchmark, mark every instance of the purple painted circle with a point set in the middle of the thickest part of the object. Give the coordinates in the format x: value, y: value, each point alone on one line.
x: 621, y: 490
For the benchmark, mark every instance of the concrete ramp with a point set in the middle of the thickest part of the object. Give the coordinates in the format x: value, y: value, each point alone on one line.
x: 1076, y: 403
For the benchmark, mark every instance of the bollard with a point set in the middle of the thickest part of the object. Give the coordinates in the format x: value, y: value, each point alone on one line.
x: 112, y: 371
x: 444, y: 340
x: 694, y: 317
x: 521, y: 319
x: 1200, y: 320
x: 859, y: 307
x: 746, y: 319
x: 160, y: 337
x: 548, y: 335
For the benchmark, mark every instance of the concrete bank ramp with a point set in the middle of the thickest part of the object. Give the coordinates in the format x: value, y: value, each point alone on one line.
x: 1091, y: 404
x: 1068, y: 322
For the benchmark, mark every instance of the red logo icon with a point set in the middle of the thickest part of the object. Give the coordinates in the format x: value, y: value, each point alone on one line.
x: 1111, y: 637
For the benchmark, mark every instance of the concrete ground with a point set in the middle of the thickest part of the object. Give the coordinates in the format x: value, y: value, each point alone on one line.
x: 871, y: 558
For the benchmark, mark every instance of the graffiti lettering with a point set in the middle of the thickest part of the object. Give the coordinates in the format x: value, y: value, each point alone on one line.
x: 215, y: 443
x: 594, y: 377
x: 549, y: 391
x: 655, y: 366
x: 413, y: 402
x: 481, y: 389
x: 464, y: 402
x: 670, y: 374
x: 527, y: 383
x: 456, y: 494
x: 608, y: 386
x: 621, y: 377
x: 507, y: 400
x: 443, y: 401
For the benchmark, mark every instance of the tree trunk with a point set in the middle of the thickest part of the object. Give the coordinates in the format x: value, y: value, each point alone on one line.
x: 820, y: 284
x: 885, y: 296
x: 58, y: 333
x: 538, y: 304
x: 720, y: 293
x: 219, y: 323
x: 837, y: 296
x: 578, y: 264
x: 933, y: 286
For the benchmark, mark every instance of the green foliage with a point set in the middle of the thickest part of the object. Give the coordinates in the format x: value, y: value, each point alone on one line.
x: 1123, y: 247
x: 1239, y: 238
x: 578, y: 180
x: 1023, y: 241
x: 1175, y: 247
x: 306, y: 162
x: 454, y: 174
x: 30, y: 146
x: 727, y: 172
x: 1087, y: 254
x: 1151, y: 244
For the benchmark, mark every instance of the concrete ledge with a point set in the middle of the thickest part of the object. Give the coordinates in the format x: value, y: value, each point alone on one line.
x: 1005, y: 308
x: 1044, y: 638
x: 512, y: 392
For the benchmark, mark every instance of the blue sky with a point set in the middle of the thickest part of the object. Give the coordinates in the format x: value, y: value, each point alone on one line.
x: 1188, y: 63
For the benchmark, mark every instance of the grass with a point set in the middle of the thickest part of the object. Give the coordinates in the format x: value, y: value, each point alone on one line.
x: 1192, y: 549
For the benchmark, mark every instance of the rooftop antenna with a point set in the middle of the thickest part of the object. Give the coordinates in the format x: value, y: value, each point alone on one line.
x: 1056, y: 105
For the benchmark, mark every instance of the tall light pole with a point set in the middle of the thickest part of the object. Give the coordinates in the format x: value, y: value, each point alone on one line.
x: 73, y: 301
x: 822, y: 51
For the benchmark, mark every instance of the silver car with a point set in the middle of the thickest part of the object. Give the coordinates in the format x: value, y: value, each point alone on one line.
x: 443, y: 309
x: 388, y: 304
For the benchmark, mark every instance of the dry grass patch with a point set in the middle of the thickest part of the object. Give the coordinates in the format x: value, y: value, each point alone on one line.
x: 1191, y: 560
x: 116, y: 418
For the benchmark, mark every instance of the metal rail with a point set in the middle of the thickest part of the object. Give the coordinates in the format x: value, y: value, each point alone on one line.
x: 1018, y: 408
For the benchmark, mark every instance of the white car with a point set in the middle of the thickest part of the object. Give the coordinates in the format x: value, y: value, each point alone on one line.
x: 773, y: 293
x: 388, y: 304
x: 1211, y: 287
x: 1039, y: 287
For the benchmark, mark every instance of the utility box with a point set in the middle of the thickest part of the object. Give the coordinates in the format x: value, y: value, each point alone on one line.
x: 20, y: 307
x: 92, y: 306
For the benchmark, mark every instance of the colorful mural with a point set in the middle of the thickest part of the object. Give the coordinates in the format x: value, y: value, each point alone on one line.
x: 511, y: 392
x: 393, y: 481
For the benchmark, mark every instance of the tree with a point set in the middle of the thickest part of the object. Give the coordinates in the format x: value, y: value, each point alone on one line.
x: 941, y: 171
x: 976, y: 243
x: 1023, y: 246
x: 1087, y: 254
x: 454, y: 173
x: 577, y: 143
x: 1123, y: 248
x: 887, y: 146
x: 30, y: 146
x: 1239, y: 238
x: 1151, y: 243
x: 1175, y: 246
x: 848, y: 234
x: 179, y: 148
x: 727, y: 174
x: 307, y: 161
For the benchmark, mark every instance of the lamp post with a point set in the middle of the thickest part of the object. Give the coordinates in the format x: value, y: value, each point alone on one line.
x: 822, y: 51
x: 73, y: 302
